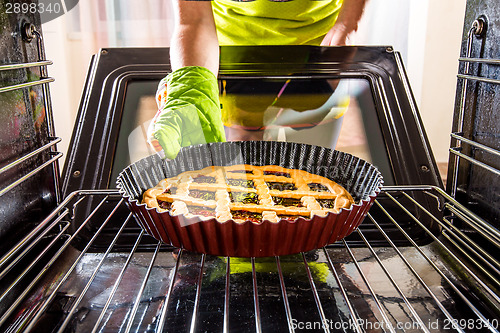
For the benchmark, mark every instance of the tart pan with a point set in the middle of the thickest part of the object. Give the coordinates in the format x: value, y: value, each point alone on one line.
x: 250, y: 239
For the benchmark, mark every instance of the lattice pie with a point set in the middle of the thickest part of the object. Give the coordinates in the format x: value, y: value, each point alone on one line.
x: 247, y: 192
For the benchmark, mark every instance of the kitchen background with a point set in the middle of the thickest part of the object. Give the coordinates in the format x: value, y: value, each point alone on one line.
x: 427, y: 33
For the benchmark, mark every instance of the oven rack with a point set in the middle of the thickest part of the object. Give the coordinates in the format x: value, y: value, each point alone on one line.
x: 452, y: 282
x: 43, y: 149
x: 29, y: 33
x: 466, y: 77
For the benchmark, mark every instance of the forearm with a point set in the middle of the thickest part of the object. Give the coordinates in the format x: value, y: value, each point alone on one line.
x: 194, y: 40
x: 347, y: 22
x: 350, y: 14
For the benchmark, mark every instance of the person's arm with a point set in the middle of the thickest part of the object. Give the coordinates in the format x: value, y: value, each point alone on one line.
x: 188, y: 98
x: 347, y: 23
x: 194, y: 41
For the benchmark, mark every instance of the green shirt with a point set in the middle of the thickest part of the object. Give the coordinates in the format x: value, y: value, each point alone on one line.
x: 268, y: 22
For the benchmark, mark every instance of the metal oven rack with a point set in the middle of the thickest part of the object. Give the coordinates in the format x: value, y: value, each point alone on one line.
x: 478, y: 30
x: 452, y: 283
x: 30, y: 33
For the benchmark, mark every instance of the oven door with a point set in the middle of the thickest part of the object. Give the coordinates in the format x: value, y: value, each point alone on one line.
x: 355, y: 99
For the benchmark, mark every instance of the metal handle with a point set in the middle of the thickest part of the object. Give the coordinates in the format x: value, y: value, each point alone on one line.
x: 478, y: 28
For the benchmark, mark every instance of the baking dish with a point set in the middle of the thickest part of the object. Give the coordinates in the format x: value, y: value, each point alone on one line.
x: 249, y: 239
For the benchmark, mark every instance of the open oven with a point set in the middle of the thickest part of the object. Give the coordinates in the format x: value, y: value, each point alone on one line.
x: 73, y: 259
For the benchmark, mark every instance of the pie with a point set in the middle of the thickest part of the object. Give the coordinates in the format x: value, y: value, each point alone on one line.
x: 248, y: 193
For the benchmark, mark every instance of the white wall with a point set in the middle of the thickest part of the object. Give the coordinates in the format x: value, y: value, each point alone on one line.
x: 72, y: 39
x: 69, y: 77
x: 427, y: 33
x: 440, y: 67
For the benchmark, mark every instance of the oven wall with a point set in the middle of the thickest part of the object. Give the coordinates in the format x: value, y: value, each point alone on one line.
x: 428, y: 34
x: 477, y: 187
x: 25, y: 196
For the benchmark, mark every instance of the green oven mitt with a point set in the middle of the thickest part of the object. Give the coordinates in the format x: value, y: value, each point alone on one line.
x: 189, y: 111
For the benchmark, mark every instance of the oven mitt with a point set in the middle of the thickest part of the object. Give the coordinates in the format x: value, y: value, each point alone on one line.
x: 189, y: 111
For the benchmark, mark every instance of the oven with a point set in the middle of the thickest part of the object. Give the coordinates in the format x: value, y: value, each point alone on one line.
x: 73, y: 258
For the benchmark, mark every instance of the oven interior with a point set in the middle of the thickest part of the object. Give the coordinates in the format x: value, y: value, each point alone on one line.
x: 73, y: 259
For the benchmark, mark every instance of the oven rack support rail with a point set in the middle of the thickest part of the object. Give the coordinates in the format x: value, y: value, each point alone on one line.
x: 469, y: 275
x: 30, y: 33
x: 478, y: 31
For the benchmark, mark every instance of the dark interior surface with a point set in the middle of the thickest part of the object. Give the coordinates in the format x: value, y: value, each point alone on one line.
x: 478, y: 188
x: 23, y: 129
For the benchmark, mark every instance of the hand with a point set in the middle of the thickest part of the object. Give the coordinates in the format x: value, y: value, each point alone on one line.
x: 189, y: 111
x: 338, y: 35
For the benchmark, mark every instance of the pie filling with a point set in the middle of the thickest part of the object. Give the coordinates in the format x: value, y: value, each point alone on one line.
x: 246, y: 215
x: 164, y: 204
x: 244, y: 197
x: 241, y: 171
x: 281, y: 186
x: 287, y: 202
x: 200, y: 210
x: 288, y: 217
x: 277, y: 173
x: 204, y: 195
x: 326, y: 203
x: 318, y: 187
x: 204, y: 179
x: 248, y: 183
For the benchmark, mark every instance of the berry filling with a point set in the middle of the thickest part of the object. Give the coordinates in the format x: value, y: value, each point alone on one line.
x: 247, y: 216
x: 318, y: 187
x: 204, y: 179
x: 200, y: 210
x: 241, y: 171
x: 248, y: 183
x: 277, y: 173
x: 281, y: 186
x: 288, y: 217
x: 164, y: 204
x: 205, y: 195
x: 326, y: 203
x: 287, y: 202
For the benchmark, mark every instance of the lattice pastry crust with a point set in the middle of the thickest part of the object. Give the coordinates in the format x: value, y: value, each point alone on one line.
x: 247, y: 192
